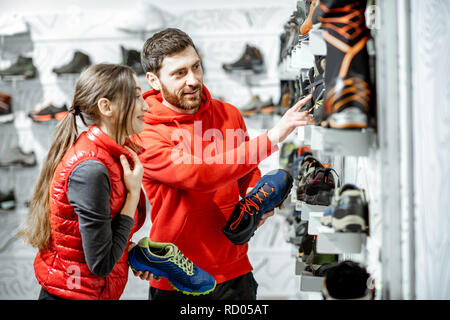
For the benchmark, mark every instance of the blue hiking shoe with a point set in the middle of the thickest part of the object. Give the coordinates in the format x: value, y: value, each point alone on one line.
x: 165, y: 260
x: 269, y: 192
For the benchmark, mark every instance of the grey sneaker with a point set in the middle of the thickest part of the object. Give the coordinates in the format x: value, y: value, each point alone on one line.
x: 16, y: 157
x: 23, y: 67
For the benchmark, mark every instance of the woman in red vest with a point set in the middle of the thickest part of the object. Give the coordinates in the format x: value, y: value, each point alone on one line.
x: 88, y: 202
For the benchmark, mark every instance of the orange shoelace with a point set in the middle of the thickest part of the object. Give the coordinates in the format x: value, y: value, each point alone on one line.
x: 247, y: 204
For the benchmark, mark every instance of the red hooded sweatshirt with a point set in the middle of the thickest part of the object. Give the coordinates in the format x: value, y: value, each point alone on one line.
x: 195, y: 168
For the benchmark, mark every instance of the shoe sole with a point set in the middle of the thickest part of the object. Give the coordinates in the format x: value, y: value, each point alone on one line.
x: 176, y: 285
x: 61, y: 115
x: 17, y: 164
x: 7, y: 118
x: 350, y: 118
x: 8, y: 205
x: 22, y: 76
x: 285, y: 195
x: 47, y: 117
x: 41, y: 118
x: 255, y: 69
x: 350, y: 223
x: 248, y: 113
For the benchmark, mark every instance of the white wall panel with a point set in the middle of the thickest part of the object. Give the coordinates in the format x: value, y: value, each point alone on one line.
x: 431, y: 114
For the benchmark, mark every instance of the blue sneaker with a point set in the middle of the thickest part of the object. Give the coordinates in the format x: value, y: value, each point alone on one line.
x: 165, y: 260
x: 269, y: 192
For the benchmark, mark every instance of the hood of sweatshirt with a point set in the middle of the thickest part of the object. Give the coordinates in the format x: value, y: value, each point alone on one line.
x: 158, y: 113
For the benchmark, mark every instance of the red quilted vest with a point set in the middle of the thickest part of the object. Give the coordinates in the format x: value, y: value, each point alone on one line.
x: 61, y: 268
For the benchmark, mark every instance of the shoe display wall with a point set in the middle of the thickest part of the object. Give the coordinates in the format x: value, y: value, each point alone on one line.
x: 335, y: 216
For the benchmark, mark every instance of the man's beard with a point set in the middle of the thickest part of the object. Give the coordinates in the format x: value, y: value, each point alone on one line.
x: 182, y: 102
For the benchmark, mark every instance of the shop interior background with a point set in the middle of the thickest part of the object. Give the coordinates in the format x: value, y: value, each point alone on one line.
x: 409, y: 247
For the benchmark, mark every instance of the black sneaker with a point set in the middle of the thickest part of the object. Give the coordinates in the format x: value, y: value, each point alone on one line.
x: 79, y: 62
x: 23, y: 67
x: 6, y: 114
x: 49, y: 112
x: 269, y: 192
x: 307, y: 167
x: 7, y: 200
x: 251, y: 60
x: 16, y: 157
x: 347, y: 280
x: 318, y: 186
x: 132, y: 58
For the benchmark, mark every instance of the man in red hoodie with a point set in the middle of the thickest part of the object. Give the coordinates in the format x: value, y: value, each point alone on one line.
x: 198, y: 161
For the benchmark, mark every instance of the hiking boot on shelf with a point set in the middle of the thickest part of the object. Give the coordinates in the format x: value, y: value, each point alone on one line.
x: 166, y: 260
x: 16, y: 157
x: 302, y: 152
x: 49, y: 112
x: 308, y: 165
x: 317, y: 187
x: 269, y: 192
x: 7, y: 200
x: 292, y: 28
x: 6, y: 114
x: 23, y: 67
x: 256, y: 105
x: 132, y: 58
x: 79, y: 62
x: 251, y: 60
x: 349, y: 211
x: 347, y: 280
x: 347, y: 74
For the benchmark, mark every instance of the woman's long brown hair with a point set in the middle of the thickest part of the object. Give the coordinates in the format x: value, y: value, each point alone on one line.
x: 110, y: 81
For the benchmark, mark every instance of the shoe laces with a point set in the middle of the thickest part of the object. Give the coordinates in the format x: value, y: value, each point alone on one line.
x: 249, y: 205
x: 183, y: 262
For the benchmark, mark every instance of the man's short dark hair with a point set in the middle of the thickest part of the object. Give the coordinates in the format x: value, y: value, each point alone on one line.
x: 162, y: 44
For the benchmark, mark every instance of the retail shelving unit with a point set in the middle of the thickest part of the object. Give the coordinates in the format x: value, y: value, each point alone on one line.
x: 335, y: 147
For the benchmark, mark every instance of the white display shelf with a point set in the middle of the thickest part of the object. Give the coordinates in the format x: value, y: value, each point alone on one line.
x: 341, y: 142
x: 306, y: 209
x: 299, y: 266
x: 309, y: 282
x: 317, y: 45
x: 314, y: 222
x: 329, y: 241
x: 302, y: 58
x: 303, y: 136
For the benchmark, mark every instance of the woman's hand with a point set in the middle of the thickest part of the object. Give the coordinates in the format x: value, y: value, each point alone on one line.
x: 143, y: 275
x: 291, y: 120
x: 132, y: 177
